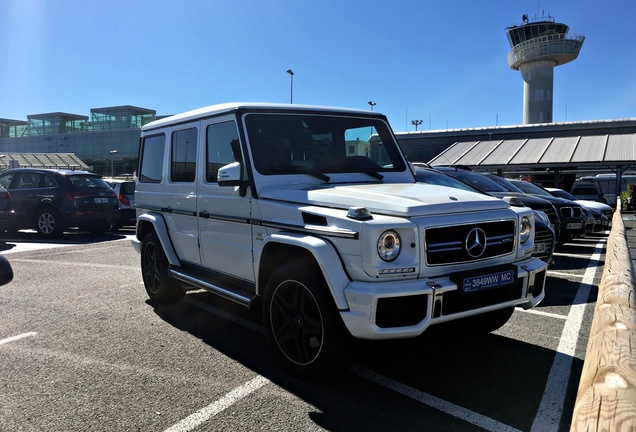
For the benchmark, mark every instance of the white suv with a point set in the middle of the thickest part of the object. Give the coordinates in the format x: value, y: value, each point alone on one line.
x: 313, y: 214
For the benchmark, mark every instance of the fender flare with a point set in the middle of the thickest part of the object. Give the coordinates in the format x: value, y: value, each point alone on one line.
x: 326, y: 257
x: 161, y: 229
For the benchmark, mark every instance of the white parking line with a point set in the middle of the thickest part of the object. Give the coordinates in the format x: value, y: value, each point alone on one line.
x: 542, y: 313
x: 567, y: 275
x: 550, y: 410
x: 18, y: 337
x: 204, y: 414
x: 434, y: 402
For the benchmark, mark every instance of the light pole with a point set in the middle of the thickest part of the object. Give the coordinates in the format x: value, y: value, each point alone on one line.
x: 372, y: 104
x: 416, y: 123
x: 291, y: 85
x: 112, y: 155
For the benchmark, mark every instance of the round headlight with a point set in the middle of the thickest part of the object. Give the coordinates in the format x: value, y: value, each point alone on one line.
x: 525, y: 229
x: 389, y: 245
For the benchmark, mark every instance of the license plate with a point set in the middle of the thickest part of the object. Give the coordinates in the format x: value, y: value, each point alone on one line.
x: 101, y: 200
x: 574, y: 225
x: 539, y: 248
x: 493, y: 280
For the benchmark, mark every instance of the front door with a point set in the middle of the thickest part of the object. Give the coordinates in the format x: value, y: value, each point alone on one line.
x: 225, y: 231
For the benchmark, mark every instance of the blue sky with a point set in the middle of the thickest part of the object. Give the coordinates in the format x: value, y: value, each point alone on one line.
x: 443, y: 62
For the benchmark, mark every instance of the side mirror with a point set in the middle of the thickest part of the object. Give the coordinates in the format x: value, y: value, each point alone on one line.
x: 230, y: 175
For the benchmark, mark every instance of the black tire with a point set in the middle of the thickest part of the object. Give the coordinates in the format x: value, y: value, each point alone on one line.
x: 302, y: 322
x: 48, y: 223
x: 154, y: 271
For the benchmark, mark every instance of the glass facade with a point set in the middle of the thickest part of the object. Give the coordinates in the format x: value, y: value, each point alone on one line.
x: 110, y: 137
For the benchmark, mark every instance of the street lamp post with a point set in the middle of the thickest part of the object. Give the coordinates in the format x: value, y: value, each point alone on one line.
x: 112, y: 156
x: 416, y: 123
x: 291, y: 85
x: 372, y: 104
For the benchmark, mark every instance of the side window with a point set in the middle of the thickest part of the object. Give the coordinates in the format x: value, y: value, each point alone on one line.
x: 151, y: 160
x: 5, y: 180
x: 47, y: 181
x: 28, y: 180
x: 183, y: 155
x: 222, y: 148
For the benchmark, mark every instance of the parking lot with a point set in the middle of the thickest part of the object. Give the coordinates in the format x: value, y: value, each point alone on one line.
x: 82, y: 348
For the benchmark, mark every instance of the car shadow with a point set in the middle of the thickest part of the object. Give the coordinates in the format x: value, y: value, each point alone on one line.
x: 493, y: 375
x: 9, y: 240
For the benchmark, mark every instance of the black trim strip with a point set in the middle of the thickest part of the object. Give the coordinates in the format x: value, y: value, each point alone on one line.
x: 241, y: 293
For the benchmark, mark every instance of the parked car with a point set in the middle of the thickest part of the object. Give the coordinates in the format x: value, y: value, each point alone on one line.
x: 125, y: 190
x: 589, y: 191
x: 52, y: 200
x: 313, y: 216
x: 544, y: 235
x: 6, y: 211
x: 605, y: 209
x: 573, y: 215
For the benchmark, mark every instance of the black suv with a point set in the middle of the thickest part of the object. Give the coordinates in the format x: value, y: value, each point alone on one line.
x: 52, y: 200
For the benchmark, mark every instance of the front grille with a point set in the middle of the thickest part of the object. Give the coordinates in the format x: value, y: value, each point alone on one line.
x: 544, y: 236
x: 571, y: 212
x: 448, y: 245
x: 552, y: 215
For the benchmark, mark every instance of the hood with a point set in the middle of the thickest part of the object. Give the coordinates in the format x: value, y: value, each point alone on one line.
x: 396, y: 199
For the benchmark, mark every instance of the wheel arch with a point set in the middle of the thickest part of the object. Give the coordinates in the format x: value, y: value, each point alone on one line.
x: 149, y: 222
x: 284, y: 247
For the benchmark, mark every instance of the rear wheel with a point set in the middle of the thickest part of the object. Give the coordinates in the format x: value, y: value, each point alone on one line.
x: 154, y: 271
x: 302, y: 322
x: 49, y: 222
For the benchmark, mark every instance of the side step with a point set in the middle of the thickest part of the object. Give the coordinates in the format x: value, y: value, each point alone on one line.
x: 236, y: 293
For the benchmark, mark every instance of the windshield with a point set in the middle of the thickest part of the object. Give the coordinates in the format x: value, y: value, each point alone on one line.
x: 504, y: 183
x: 563, y: 194
x: 436, y: 178
x: 315, y: 145
x: 530, y: 188
x: 88, y: 181
x: 477, y: 180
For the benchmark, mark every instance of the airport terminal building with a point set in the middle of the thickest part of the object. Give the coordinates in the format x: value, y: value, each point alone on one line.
x: 106, y: 141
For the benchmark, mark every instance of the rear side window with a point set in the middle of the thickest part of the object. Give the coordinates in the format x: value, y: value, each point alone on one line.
x: 151, y: 160
x: 5, y: 180
x: 183, y: 155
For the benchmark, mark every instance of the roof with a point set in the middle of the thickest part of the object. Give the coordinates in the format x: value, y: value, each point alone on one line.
x: 613, y: 150
x: 228, y: 107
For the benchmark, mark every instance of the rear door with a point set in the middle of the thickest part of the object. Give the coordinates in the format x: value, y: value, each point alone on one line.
x: 181, y: 192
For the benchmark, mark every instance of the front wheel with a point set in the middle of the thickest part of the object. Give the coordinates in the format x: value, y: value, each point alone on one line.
x: 154, y: 271
x: 302, y: 322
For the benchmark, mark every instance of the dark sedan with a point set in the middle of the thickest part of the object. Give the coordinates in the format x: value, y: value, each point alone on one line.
x: 52, y: 200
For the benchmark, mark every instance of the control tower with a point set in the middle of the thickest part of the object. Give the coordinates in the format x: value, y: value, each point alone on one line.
x: 537, y: 47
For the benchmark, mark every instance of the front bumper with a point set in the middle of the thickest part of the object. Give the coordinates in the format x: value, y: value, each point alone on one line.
x: 406, y: 308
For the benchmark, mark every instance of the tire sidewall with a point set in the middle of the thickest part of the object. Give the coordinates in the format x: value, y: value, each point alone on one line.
x: 167, y: 290
x: 333, y: 354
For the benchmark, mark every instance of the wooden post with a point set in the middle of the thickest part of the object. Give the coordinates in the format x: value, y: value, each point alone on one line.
x: 606, y: 400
